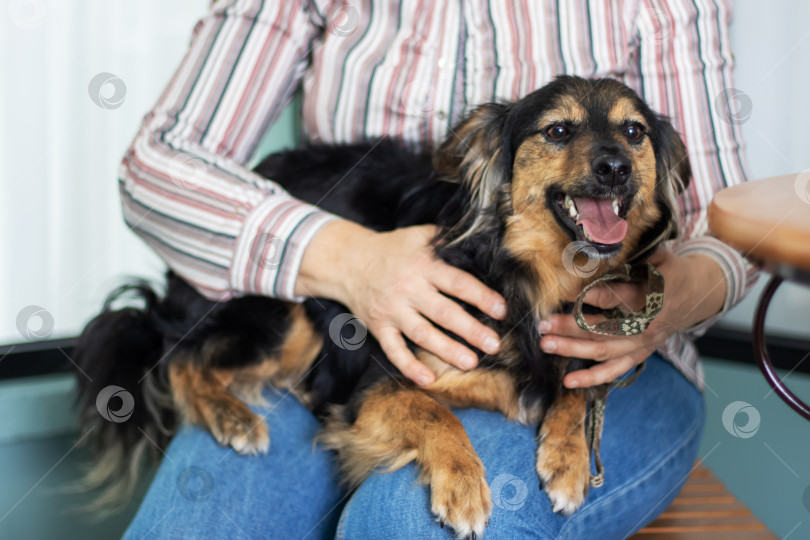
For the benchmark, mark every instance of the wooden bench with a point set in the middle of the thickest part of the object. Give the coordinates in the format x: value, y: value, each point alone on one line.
x: 705, y: 510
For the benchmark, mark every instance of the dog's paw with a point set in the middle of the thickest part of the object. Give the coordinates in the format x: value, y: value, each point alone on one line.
x: 460, y: 496
x: 564, y: 467
x: 241, y: 429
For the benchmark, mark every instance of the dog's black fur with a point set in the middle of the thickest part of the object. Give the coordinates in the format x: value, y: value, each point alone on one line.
x: 382, y: 186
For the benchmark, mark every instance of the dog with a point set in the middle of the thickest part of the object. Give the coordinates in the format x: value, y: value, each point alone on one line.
x: 583, y: 162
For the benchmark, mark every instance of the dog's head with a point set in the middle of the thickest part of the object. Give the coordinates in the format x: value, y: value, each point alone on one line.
x: 578, y: 162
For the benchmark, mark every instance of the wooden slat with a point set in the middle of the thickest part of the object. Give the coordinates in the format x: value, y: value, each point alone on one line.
x: 699, y: 513
x: 703, y: 487
x: 709, y: 523
x: 705, y: 510
x: 704, y: 535
x: 694, y: 499
x: 687, y: 506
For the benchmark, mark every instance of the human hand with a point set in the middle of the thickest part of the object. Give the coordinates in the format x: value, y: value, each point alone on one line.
x: 394, y: 284
x: 694, y: 290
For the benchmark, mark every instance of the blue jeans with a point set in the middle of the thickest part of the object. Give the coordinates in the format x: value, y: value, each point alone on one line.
x: 650, y: 441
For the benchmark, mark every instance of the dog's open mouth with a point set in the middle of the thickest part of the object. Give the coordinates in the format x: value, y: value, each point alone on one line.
x: 600, y: 221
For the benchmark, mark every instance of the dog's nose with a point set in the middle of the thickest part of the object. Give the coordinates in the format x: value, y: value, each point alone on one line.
x: 612, y: 170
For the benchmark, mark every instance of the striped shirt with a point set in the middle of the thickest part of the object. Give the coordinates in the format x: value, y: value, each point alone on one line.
x: 408, y: 69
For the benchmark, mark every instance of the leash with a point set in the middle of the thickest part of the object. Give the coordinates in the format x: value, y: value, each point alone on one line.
x: 596, y: 422
x: 619, y: 322
x: 622, y: 322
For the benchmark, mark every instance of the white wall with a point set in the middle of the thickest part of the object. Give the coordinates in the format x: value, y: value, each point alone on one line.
x: 63, y: 244
x: 771, y: 42
x: 62, y: 238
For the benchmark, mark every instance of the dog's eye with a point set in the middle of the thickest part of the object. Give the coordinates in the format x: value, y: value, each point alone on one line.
x: 557, y: 132
x: 634, y: 132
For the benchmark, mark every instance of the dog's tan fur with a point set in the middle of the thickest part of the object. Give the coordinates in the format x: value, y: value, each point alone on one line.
x: 398, y: 423
x: 208, y: 396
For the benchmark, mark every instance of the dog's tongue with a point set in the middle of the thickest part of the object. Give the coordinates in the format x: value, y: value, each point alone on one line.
x: 599, y: 221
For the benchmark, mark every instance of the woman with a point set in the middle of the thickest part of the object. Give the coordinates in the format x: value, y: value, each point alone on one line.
x: 411, y: 70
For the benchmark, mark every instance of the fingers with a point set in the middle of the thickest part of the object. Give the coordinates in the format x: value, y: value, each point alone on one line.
x: 601, y: 373
x: 396, y: 350
x: 611, y: 295
x: 423, y: 333
x: 451, y: 316
x: 565, y: 325
x: 400, y: 293
x: 562, y: 336
x: 465, y: 287
x: 592, y: 350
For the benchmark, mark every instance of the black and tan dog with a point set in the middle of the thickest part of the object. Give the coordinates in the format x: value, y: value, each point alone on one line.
x: 511, y: 188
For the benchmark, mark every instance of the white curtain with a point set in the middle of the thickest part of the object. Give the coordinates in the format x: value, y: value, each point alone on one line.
x: 76, y: 77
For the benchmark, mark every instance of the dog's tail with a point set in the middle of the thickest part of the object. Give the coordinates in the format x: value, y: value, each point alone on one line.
x: 126, y: 411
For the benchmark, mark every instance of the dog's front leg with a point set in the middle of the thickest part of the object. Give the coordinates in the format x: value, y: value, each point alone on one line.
x: 397, y: 424
x: 202, y: 397
x: 563, y: 459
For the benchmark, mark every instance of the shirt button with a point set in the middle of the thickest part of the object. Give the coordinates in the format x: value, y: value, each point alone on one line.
x: 446, y: 63
x: 441, y: 115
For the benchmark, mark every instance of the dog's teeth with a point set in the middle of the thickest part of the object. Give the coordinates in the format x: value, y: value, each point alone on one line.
x: 616, y: 206
x: 572, y: 208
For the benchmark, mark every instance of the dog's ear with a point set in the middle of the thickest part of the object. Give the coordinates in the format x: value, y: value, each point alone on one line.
x: 671, y: 158
x: 673, y: 174
x: 475, y: 153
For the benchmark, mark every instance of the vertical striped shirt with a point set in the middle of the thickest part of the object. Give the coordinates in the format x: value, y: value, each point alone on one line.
x: 408, y: 69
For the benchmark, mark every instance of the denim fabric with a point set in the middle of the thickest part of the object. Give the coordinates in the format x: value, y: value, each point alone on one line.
x: 203, y: 490
x: 651, y: 437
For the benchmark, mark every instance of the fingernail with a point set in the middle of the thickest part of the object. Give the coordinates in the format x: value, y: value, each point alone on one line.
x: 491, y: 345
x: 424, y: 379
x: 544, y: 326
x: 548, y: 345
x: 466, y: 362
x: 499, y: 310
x: 573, y: 384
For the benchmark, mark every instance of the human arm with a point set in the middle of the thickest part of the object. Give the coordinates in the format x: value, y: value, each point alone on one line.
x: 184, y: 183
x: 228, y: 231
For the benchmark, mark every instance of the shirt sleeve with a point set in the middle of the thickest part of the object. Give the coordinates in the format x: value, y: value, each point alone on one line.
x: 184, y: 185
x: 685, y: 69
